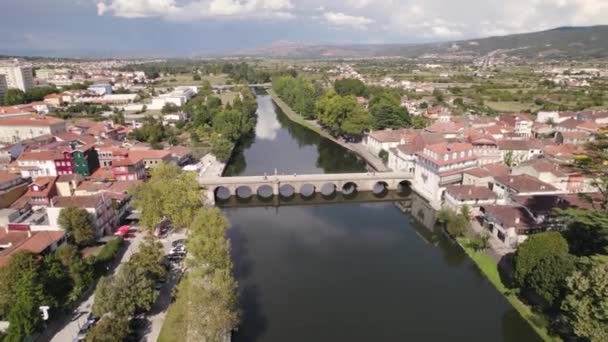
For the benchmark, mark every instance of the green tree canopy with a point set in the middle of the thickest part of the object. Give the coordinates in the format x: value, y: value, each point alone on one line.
x: 298, y: 93
x: 388, y: 113
x: 221, y: 148
x: 207, y: 243
x: 170, y: 193
x: 586, y: 302
x: 109, y: 329
x: 547, y: 279
x: 14, y: 96
x: 124, y: 294
x: 342, y: 114
x: 350, y: 86
x: 77, y: 223
x: 148, y: 258
x: 536, y: 248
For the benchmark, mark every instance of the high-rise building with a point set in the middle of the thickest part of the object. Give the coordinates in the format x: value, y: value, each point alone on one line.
x: 3, y: 87
x: 18, y: 75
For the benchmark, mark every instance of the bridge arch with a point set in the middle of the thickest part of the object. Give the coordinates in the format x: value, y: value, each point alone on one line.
x: 404, y: 187
x: 308, y: 190
x: 328, y: 189
x: 349, y: 188
x: 380, y: 188
x: 243, y: 192
x: 287, y: 190
x: 222, y: 193
x: 264, y: 191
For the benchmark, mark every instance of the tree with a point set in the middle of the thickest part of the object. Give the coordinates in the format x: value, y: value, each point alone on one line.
x: 170, y: 193
x: 548, y: 277
x: 148, y: 258
x: 196, y: 77
x: 536, y: 248
x: 80, y: 272
x: 228, y: 124
x: 221, y: 148
x: 388, y: 113
x: 350, y: 86
x: 169, y: 108
x: 357, y: 122
x: 109, y: 329
x: 454, y: 223
x: 586, y: 302
x: 124, y: 294
x: 77, y: 223
x: 207, y: 244
x: 340, y: 113
x: 212, y: 310
x: 593, y: 164
x: 14, y: 96
x: 586, y: 230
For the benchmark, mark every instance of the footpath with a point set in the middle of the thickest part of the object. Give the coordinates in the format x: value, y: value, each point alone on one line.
x: 374, y: 161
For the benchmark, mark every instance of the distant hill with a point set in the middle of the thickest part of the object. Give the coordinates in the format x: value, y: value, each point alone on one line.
x: 563, y: 42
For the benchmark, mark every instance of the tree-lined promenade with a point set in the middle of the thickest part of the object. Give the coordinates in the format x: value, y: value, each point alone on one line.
x: 205, y: 307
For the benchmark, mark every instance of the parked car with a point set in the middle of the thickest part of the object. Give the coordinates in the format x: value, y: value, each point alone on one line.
x: 178, y: 249
x: 91, y: 319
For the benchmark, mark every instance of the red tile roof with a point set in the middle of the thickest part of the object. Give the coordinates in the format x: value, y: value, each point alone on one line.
x: 37, y: 243
x: 31, y: 121
x: 470, y: 192
x: 76, y: 201
x: 511, y: 217
x: 524, y: 183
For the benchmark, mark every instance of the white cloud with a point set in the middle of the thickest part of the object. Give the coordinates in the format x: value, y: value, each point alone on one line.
x: 398, y: 19
x: 444, y: 32
x: 197, y: 9
x: 344, y: 20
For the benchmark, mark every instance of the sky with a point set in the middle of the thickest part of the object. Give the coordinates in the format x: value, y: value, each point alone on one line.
x: 198, y: 27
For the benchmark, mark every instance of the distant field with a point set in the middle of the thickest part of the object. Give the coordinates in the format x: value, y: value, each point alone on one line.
x: 186, y: 79
x: 511, y: 106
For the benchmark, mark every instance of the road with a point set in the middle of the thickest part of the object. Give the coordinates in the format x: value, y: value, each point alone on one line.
x: 157, y: 315
x: 72, y: 323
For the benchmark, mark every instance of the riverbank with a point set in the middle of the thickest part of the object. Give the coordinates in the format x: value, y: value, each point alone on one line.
x: 375, y: 162
x: 488, y: 266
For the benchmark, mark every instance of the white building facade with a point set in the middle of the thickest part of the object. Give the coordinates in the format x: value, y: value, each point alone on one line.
x: 18, y: 75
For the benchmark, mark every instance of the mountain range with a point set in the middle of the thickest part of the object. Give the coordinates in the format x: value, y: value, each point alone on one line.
x: 562, y: 42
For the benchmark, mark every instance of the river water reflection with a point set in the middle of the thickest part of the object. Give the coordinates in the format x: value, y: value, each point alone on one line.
x: 349, y: 271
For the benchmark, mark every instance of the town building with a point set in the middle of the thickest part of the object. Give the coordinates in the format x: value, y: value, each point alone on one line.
x: 15, y: 129
x: 151, y: 158
x: 12, y: 187
x: 386, y: 139
x: 523, y: 184
x: 521, y: 123
x: 41, y: 191
x: 440, y: 165
x: 129, y: 169
x: 3, y: 86
x: 18, y: 75
x: 39, y: 163
x: 100, y: 207
x: 100, y: 89
x: 17, y: 239
x: 510, y: 224
x: 484, y: 175
x: 457, y: 196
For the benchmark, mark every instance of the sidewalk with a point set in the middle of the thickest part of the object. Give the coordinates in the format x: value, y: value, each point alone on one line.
x: 159, y: 309
x: 79, y: 315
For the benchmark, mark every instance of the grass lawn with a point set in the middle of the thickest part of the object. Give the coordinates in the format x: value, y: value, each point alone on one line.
x: 186, y: 79
x: 489, y: 268
x: 511, y: 106
x: 174, y: 326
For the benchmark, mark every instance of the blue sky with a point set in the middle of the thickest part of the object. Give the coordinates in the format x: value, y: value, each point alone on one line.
x: 187, y: 27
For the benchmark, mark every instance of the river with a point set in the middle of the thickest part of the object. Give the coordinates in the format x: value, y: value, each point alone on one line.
x: 347, y: 271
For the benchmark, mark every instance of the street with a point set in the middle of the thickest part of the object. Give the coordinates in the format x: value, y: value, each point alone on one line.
x: 78, y: 318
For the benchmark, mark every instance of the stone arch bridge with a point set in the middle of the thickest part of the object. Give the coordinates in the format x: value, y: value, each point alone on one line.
x: 305, y: 184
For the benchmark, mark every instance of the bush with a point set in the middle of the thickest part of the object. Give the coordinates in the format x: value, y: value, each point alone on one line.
x: 108, y: 252
x: 383, y: 155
